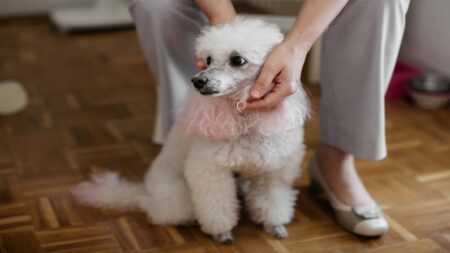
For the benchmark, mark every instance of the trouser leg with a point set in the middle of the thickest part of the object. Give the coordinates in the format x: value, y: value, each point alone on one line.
x: 167, y: 30
x: 359, y: 52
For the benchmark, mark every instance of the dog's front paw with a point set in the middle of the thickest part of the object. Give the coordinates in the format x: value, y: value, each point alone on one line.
x: 225, y: 238
x: 278, y: 231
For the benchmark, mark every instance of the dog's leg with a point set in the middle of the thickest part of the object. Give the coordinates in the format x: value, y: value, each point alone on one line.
x: 169, y: 199
x: 270, y: 202
x: 213, y: 194
x: 243, y: 185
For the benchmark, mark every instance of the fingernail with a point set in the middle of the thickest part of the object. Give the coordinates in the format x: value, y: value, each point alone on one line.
x: 255, y: 94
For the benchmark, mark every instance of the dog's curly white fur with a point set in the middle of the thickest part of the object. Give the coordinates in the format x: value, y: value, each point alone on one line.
x: 192, y: 178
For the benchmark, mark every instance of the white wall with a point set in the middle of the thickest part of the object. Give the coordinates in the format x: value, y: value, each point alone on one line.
x: 427, y: 36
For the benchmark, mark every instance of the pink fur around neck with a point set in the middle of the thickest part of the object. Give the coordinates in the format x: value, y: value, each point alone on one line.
x: 218, y: 118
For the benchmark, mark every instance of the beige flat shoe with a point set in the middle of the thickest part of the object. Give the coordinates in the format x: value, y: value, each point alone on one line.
x: 365, y: 220
x: 13, y: 97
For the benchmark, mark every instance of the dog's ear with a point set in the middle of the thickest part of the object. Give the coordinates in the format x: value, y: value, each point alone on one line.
x: 290, y: 114
x: 300, y: 101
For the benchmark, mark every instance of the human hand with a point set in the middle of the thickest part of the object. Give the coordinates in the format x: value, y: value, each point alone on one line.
x: 218, y: 11
x: 279, y: 77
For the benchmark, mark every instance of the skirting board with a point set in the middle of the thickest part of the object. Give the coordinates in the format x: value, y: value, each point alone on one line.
x: 101, y: 14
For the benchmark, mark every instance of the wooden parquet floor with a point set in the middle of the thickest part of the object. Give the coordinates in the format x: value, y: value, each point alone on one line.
x: 92, y: 107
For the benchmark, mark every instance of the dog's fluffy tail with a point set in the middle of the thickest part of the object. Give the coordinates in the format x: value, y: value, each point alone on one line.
x: 109, y: 190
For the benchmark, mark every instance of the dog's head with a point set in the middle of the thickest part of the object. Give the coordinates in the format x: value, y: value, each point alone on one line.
x: 234, y: 54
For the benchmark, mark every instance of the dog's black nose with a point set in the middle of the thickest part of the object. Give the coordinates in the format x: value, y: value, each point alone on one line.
x: 199, y: 81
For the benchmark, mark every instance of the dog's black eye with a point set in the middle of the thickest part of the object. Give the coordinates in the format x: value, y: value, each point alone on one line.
x: 237, y: 61
x: 208, y: 60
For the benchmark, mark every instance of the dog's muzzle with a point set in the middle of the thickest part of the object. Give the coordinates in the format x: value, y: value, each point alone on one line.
x: 201, y: 84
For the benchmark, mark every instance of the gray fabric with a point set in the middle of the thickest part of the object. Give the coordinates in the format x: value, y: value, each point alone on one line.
x: 167, y: 30
x: 358, y: 55
x: 359, y: 51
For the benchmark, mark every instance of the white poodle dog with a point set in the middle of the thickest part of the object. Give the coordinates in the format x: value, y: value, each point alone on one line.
x: 215, y: 144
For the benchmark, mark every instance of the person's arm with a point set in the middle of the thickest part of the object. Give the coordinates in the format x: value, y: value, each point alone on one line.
x: 218, y: 11
x: 281, y: 70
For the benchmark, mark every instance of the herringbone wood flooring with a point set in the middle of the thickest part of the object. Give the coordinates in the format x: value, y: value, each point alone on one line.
x: 92, y: 107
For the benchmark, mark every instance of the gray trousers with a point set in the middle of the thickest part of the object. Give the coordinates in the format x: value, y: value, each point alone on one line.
x: 359, y: 51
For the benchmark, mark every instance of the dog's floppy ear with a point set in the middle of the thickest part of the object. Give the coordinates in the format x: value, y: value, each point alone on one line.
x: 290, y: 114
